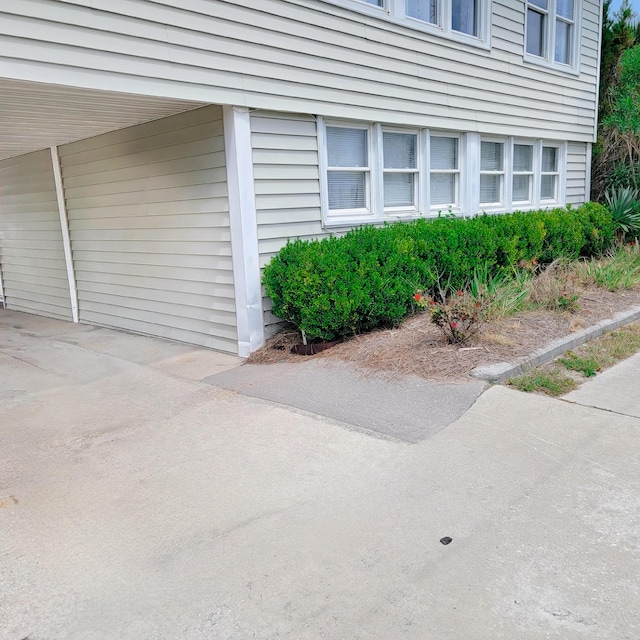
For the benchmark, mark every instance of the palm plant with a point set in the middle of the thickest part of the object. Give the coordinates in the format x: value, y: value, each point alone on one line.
x: 624, y: 206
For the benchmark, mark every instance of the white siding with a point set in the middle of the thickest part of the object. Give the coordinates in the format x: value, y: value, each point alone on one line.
x: 305, y: 56
x: 31, y: 252
x: 287, y: 185
x: 577, y: 179
x: 149, y: 224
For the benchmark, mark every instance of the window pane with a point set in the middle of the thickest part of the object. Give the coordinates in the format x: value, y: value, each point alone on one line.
x: 443, y: 188
x: 522, y: 157
x: 564, y: 8
x: 426, y: 10
x: 521, y: 188
x: 464, y: 16
x: 346, y: 189
x: 535, y: 33
x: 491, y: 156
x: 490, y: 189
x: 563, y: 42
x: 398, y: 189
x: 378, y: 3
x: 549, y: 159
x: 548, y: 189
x: 399, y: 150
x: 539, y: 3
x: 347, y: 147
x: 444, y: 153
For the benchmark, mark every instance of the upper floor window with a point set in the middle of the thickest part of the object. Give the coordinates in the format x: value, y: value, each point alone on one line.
x: 465, y: 20
x: 551, y: 32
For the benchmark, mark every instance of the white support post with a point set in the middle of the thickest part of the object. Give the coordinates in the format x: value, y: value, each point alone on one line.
x: 244, y: 229
x: 64, y: 225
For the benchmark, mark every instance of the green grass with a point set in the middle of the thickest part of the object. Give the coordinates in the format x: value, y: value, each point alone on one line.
x: 551, y: 382
x: 588, y: 367
x: 586, y: 360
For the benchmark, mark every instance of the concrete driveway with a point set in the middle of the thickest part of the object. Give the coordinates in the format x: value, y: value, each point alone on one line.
x: 138, y: 500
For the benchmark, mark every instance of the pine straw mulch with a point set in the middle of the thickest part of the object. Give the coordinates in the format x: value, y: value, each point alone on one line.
x: 417, y: 347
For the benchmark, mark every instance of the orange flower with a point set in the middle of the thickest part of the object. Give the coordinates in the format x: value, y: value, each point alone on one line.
x: 418, y: 296
x: 459, y: 292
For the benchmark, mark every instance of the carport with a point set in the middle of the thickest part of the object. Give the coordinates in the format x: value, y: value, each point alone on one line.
x: 114, y: 211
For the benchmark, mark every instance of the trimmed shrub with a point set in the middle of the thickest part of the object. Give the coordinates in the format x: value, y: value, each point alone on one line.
x: 338, y: 287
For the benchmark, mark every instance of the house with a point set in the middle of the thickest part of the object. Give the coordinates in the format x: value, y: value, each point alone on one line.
x: 154, y: 155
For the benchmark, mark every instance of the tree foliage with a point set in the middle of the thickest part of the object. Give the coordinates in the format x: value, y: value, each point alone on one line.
x: 616, y: 155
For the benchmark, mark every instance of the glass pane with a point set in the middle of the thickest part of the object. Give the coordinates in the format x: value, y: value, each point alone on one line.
x: 464, y: 16
x: 444, y: 153
x: 490, y: 189
x: 563, y: 42
x: 443, y: 188
x: 564, y: 8
x: 346, y: 189
x: 522, y: 157
x: 399, y: 150
x: 535, y: 33
x: 378, y: 3
x: 347, y: 147
x: 521, y: 188
x: 549, y: 159
x: 491, y: 156
x: 539, y: 3
x: 548, y: 190
x: 398, y: 189
x: 426, y: 10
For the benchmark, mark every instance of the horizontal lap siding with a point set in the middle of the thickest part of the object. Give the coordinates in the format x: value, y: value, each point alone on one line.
x: 287, y: 186
x: 32, y: 259
x: 149, y: 225
x: 307, y: 56
x: 577, y: 167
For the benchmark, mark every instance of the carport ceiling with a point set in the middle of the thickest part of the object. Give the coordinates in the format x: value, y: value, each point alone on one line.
x: 34, y: 116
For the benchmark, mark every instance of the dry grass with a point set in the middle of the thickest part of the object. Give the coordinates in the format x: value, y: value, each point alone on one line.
x: 417, y: 347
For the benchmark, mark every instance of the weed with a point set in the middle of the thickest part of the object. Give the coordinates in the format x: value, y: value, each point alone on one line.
x: 551, y: 382
x: 588, y: 367
x: 618, y: 272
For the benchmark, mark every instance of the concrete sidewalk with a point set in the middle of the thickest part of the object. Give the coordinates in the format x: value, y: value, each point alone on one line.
x: 139, y: 502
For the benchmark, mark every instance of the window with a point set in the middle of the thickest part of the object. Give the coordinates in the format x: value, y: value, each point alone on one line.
x: 372, y: 172
x: 550, y: 174
x: 551, y: 36
x: 444, y: 171
x: 465, y: 20
x: 348, y: 168
x: 522, y: 183
x: 491, y: 173
x: 464, y: 16
x: 400, y: 169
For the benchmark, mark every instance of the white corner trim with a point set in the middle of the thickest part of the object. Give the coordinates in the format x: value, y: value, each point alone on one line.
x: 64, y: 225
x: 3, y: 302
x: 244, y: 229
x: 587, y: 181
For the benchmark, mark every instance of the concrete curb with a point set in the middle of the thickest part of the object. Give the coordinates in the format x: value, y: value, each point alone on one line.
x: 501, y: 371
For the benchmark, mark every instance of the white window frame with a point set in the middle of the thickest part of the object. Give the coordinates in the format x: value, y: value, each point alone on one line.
x: 548, y: 57
x: 504, y: 174
x: 467, y: 181
x: 369, y: 171
x: 417, y: 171
x: 531, y: 173
x: 559, y: 173
x: 434, y: 209
x: 395, y: 11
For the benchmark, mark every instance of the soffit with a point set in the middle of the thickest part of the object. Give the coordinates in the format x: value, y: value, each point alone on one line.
x: 34, y: 116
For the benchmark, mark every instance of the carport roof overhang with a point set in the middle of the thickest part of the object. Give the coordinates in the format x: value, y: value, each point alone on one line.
x: 35, y: 116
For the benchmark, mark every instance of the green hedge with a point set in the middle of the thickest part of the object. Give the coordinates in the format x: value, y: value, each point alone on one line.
x: 342, y: 286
